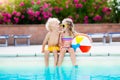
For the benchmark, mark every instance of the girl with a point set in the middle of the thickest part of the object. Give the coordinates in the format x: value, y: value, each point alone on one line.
x: 65, y: 40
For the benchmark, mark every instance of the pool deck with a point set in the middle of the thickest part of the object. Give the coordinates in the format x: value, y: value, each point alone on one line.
x: 98, y: 49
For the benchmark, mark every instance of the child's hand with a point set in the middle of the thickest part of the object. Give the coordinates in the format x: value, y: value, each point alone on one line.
x: 60, y: 47
x: 90, y: 39
x: 42, y: 51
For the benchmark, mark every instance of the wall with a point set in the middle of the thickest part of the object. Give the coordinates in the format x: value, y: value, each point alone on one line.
x: 38, y: 31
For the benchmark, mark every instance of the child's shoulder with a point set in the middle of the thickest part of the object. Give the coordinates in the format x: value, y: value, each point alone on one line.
x: 48, y: 34
x: 75, y: 33
x: 60, y: 32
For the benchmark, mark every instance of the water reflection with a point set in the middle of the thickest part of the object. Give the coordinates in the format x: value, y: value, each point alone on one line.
x: 47, y: 73
x: 57, y: 73
x: 61, y: 73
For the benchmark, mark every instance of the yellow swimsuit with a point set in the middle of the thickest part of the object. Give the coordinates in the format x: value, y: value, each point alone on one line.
x: 52, y: 48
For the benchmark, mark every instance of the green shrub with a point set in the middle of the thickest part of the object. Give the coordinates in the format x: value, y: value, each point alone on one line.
x: 80, y: 11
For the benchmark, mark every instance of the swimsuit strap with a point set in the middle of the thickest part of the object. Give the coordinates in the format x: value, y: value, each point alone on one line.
x: 67, y: 38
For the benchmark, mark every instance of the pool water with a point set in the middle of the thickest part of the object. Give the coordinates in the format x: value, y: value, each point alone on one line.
x: 89, y: 68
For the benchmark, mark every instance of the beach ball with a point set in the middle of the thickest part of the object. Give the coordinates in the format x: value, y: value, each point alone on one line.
x: 81, y: 43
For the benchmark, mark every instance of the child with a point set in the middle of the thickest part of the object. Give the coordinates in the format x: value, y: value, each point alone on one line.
x: 52, y: 38
x: 65, y: 40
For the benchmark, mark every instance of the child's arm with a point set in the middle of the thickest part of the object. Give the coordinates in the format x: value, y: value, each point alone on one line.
x: 82, y: 34
x: 60, y: 41
x: 45, y: 42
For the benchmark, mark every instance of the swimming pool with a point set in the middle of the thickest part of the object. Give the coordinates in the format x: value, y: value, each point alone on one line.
x: 32, y: 68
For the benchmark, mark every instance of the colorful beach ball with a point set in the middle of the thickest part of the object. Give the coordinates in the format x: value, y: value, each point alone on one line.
x: 81, y: 43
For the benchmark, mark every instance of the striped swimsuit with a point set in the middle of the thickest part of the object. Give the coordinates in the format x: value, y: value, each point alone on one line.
x: 67, y: 39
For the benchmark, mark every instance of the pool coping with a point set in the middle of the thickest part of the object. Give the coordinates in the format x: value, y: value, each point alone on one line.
x: 98, y: 49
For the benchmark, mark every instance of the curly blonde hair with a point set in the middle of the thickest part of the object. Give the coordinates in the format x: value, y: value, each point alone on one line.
x: 50, y: 21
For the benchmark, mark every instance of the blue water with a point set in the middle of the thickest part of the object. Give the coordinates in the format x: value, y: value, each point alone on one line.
x: 36, y: 71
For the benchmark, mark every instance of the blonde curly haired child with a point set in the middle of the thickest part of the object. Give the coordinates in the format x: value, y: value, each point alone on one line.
x: 52, y: 39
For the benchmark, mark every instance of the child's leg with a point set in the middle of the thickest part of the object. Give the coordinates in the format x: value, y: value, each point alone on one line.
x: 61, y: 56
x: 55, y: 57
x: 72, y: 55
x: 46, y: 56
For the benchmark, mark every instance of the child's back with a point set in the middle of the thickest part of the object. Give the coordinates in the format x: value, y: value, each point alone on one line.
x: 53, y: 38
